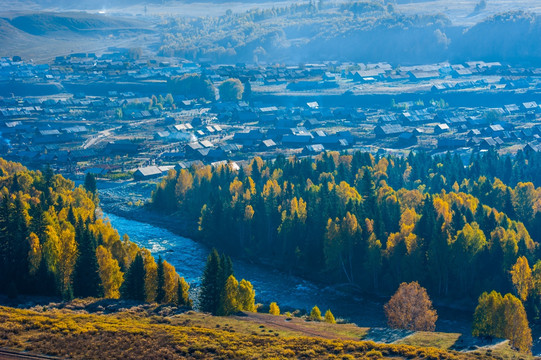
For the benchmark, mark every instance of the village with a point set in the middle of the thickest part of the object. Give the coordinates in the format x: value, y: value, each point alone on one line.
x: 116, y: 116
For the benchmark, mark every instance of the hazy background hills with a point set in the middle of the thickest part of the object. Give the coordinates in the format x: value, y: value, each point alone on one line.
x: 401, y: 32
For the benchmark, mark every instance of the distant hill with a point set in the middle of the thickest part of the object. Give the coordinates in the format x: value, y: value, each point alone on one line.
x: 354, y: 32
x: 43, y: 23
x: 508, y: 37
x: 43, y: 35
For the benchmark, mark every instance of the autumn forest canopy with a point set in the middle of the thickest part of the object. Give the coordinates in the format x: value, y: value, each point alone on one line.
x: 423, y: 224
x: 376, y: 221
x: 53, y: 243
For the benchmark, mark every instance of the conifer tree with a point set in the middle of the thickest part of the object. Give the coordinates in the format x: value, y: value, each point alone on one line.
x: 183, y: 298
x: 5, y: 243
x: 226, y: 267
x: 17, y: 246
x: 329, y: 317
x: 86, y: 277
x: 211, y: 284
x: 133, y: 287
x: 90, y: 183
x: 160, y: 291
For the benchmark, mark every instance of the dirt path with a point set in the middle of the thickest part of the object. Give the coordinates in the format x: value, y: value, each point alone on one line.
x: 294, y: 325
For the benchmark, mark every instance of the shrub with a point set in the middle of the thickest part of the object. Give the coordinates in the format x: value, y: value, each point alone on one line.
x: 274, y: 309
x: 315, y: 314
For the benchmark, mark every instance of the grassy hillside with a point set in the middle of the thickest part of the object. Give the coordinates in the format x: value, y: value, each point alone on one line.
x: 43, y: 23
x: 136, y: 334
x: 43, y: 36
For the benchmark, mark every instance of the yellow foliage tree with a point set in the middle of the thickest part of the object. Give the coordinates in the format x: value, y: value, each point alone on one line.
x: 329, y: 317
x: 110, y: 274
x: 274, y: 309
x: 184, y: 183
x: 248, y: 213
x: 315, y: 314
x: 34, y: 253
x: 229, y: 303
x: 516, y: 327
x: 170, y: 283
x: 487, y: 317
x: 521, y: 275
x: 410, y: 308
x: 151, y: 275
x: 503, y: 317
x: 67, y: 259
x: 246, y: 296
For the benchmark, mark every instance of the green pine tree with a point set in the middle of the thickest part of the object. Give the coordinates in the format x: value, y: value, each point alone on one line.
x: 90, y: 183
x: 86, y: 278
x: 183, y: 293
x: 160, y: 292
x: 212, y: 284
x: 133, y: 287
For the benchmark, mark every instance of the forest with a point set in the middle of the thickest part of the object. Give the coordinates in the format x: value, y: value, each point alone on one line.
x: 364, y: 31
x: 52, y: 243
x: 375, y: 222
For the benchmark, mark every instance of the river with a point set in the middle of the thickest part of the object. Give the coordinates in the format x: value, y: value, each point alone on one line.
x: 289, y: 291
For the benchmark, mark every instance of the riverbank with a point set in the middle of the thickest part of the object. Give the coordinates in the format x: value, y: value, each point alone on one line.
x: 169, y: 237
x: 120, y: 200
x: 127, y: 199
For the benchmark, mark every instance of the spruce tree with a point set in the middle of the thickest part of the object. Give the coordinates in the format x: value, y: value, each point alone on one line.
x: 43, y: 280
x: 212, y: 284
x: 18, y: 245
x: 183, y: 293
x: 226, y: 266
x: 15, y: 185
x: 4, y: 243
x: 71, y: 216
x: 90, y: 183
x: 37, y: 224
x: 86, y: 278
x: 133, y: 287
x: 160, y: 292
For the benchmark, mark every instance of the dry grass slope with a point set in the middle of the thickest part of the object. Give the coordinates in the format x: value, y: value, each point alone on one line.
x: 133, y: 335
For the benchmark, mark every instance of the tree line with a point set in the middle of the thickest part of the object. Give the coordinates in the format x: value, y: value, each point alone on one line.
x: 53, y: 244
x: 373, y: 221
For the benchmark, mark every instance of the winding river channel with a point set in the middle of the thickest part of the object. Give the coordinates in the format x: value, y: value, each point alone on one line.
x: 289, y: 291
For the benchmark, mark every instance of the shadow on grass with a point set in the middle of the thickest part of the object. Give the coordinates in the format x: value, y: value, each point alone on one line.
x: 386, y: 335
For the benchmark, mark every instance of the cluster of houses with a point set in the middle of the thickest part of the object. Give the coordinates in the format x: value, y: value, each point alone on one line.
x: 92, y: 124
x: 458, y: 128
